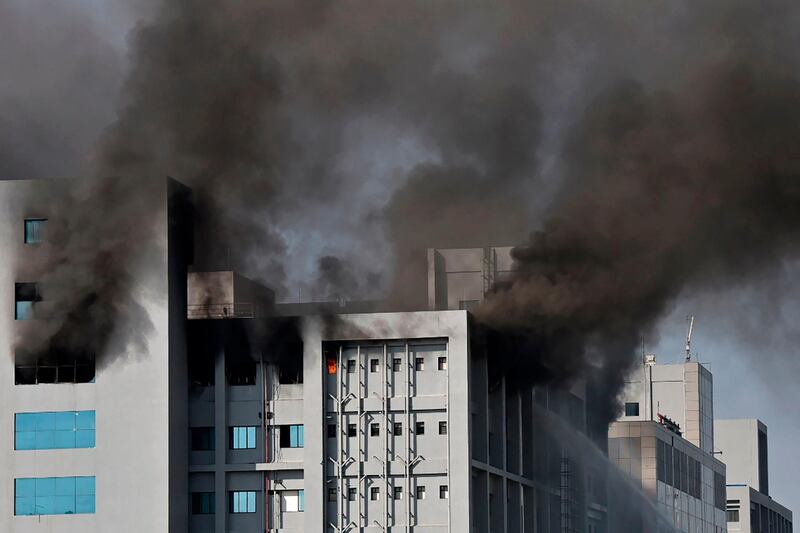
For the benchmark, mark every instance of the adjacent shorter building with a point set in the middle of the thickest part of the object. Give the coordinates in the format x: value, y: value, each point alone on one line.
x: 744, y: 447
x: 664, y: 439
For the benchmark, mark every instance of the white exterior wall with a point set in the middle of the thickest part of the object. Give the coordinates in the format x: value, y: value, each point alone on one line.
x: 131, y: 459
x: 682, y: 392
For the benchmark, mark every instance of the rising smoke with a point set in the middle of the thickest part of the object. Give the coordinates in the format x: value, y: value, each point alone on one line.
x: 667, y: 130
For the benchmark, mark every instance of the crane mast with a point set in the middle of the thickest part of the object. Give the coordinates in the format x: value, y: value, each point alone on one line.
x: 690, y: 320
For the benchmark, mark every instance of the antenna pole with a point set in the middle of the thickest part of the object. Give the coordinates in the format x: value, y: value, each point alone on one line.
x: 690, y: 320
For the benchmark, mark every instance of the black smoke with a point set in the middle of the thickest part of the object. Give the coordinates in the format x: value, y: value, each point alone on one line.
x: 650, y: 146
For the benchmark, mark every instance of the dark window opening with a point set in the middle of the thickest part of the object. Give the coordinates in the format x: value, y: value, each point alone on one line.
x: 374, y: 430
x: 53, y: 369
x: 201, y: 353
x: 242, y: 373
x: 25, y: 297
x: 419, y: 428
x: 351, y: 430
x: 397, y: 428
x: 396, y: 364
x: 374, y: 365
x: 351, y: 366
x: 442, y: 428
x: 632, y: 409
x: 290, y: 370
x: 203, y: 502
x: 203, y: 439
x: 331, y: 431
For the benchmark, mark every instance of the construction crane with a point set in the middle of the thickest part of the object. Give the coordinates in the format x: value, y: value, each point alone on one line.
x: 690, y: 320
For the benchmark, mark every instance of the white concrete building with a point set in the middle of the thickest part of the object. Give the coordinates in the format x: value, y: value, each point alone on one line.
x: 245, y: 416
x: 664, y: 438
x: 744, y: 447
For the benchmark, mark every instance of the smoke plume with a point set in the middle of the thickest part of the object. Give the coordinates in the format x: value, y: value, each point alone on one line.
x: 651, y: 147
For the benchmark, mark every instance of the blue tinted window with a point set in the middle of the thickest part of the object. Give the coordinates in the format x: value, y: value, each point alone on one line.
x: 302, y: 503
x: 243, y: 437
x: 296, y: 437
x: 54, y: 495
x: 51, y: 431
x: 34, y: 230
x: 243, y: 502
x: 23, y: 311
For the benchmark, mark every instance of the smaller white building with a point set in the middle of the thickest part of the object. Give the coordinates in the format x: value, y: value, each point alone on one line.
x: 664, y: 439
x: 744, y: 447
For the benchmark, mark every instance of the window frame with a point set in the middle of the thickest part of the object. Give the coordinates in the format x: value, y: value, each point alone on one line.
x: 419, y: 493
x: 235, y: 501
x: 632, y: 409
x: 442, y: 363
x: 443, y: 427
x: 203, y: 498
x: 234, y: 437
x: 40, y: 222
x: 444, y: 492
x: 419, y: 427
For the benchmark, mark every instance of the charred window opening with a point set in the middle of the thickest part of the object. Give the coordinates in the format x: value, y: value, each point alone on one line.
x: 241, y: 371
x: 285, y: 348
x: 290, y: 370
x: 53, y: 368
x: 25, y: 297
x: 201, y: 354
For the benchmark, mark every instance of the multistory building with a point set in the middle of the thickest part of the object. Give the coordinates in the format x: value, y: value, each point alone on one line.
x: 664, y: 440
x: 235, y: 413
x: 743, y: 444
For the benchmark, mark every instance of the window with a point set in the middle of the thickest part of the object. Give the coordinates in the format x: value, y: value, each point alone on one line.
x: 419, y: 364
x: 53, y: 431
x: 293, y: 436
x: 443, y: 428
x: 25, y: 297
x: 444, y: 492
x: 375, y: 493
x: 419, y: 428
x: 331, y: 365
x: 331, y: 431
x: 331, y: 495
x: 54, y: 496
x: 421, y: 492
x: 34, y: 230
x: 374, y: 430
x: 203, y: 439
x: 351, y: 430
x: 292, y: 501
x: 351, y: 366
x: 632, y: 409
x: 397, y: 428
x: 733, y: 515
x: 62, y: 368
x: 204, y: 502
x: 397, y: 493
x: 351, y: 494
x: 396, y: 364
x: 374, y: 365
x: 242, y: 437
x: 243, y: 501
x: 443, y: 363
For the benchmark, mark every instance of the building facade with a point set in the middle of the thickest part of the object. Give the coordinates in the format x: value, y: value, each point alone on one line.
x: 664, y: 439
x: 743, y: 444
x: 242, y: 415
